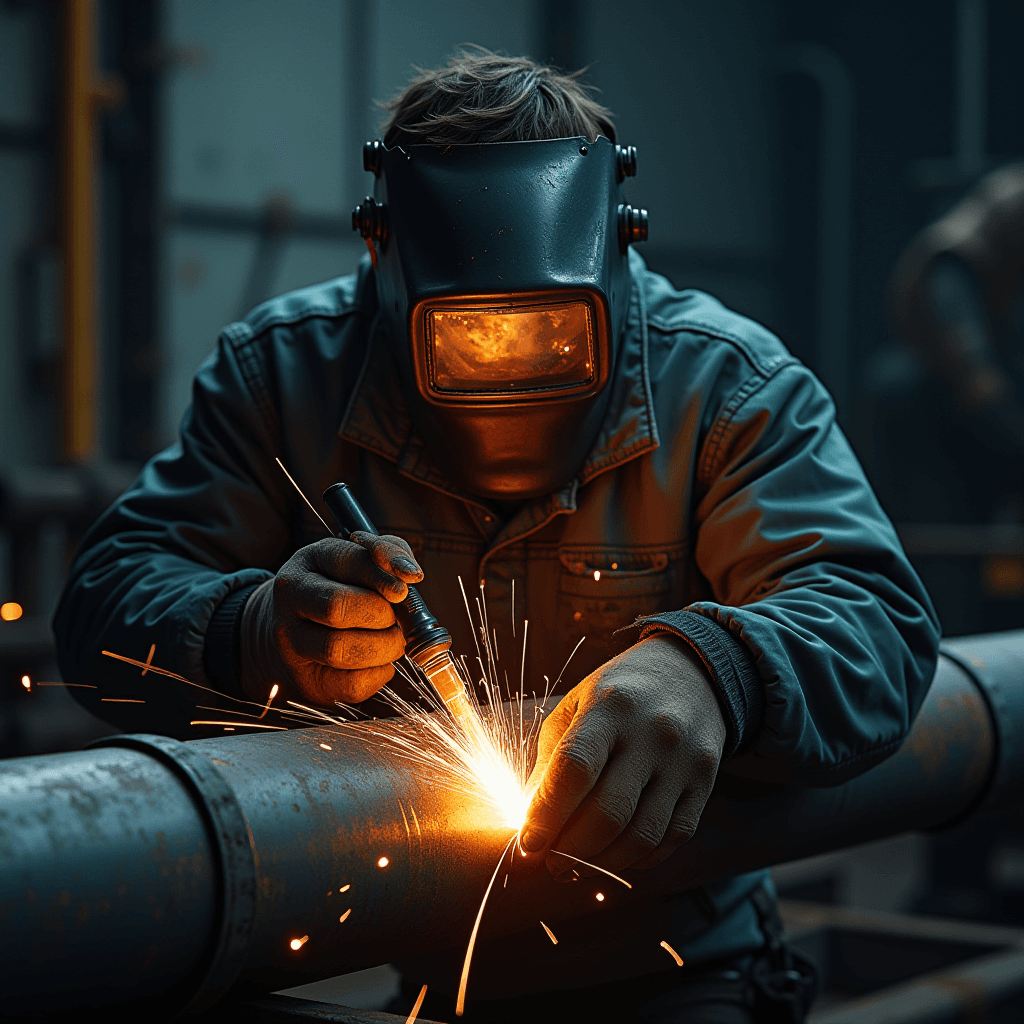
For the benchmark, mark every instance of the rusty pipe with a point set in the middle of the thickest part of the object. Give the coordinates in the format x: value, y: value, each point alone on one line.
x: 151, y: 870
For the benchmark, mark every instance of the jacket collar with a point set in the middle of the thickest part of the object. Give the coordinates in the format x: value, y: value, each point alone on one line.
x: 378, y: 419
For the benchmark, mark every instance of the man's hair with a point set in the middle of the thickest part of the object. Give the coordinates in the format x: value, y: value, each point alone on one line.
x: 482, y: 96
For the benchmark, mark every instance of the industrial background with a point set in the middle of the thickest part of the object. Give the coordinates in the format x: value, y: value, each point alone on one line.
x: 789, y: 151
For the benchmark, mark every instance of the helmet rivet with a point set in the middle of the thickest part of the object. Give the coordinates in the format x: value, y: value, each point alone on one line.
x: 583, y: 150
x: 369, y: 218
x: 373, y: 154
x: 625, y: 162
x: 632, y: 226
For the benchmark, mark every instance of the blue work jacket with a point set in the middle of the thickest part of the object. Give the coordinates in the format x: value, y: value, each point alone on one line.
x: 720, y: 501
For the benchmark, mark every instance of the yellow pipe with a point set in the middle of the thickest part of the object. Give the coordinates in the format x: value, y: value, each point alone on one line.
x: 79, y: 314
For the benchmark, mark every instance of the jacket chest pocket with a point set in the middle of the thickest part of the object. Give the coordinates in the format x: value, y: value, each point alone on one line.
x: 602, y: 590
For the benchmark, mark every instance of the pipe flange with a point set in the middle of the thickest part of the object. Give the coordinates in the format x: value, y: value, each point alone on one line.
x: 229, y: 831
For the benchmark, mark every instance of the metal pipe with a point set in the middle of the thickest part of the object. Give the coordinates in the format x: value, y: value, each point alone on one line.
x: 171, y: 869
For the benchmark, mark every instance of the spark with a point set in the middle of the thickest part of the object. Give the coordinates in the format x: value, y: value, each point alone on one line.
x: 125, y: 700
x: 26, y: 681
x: 597, y: 574
x: 344, y: 917
x: 229, y: 728
x: 303, y: 497
x: 273, y: 694
x: 567, y: 660
x: 11, y: 611
x: 244, y: 725
x: 551, y: 934
x: 600, y: 897
x: 414, y: 1013
x: 383, y: 862
x: 325, y: 746
x: 671, y: 952
x: 345, y: 888
x: 149, y: 658
x: 460, y: 1003
x: 587, y: 864
x: 299, y: 943
x: 87, y: 686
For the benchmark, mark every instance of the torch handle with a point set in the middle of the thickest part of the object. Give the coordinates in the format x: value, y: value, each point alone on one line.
x: 424, y: 636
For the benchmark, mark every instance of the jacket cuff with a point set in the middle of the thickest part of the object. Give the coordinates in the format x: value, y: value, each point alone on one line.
x: 733, y: 673
x: 222, y: 646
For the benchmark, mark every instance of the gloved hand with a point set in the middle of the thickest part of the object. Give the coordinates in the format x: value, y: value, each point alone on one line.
x: 627, y: 761
x: 323, y: 628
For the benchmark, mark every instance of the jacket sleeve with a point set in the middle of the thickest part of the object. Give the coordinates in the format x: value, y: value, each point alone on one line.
x: 821, y: 639
x: 203, y: 524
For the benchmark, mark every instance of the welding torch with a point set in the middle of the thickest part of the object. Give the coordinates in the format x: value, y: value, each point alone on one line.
x: 427, y: 642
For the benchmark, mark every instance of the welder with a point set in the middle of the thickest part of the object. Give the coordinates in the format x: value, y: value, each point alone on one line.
x: 518, y: 401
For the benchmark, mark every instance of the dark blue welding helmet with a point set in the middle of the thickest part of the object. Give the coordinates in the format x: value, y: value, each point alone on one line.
x: 503, y: 280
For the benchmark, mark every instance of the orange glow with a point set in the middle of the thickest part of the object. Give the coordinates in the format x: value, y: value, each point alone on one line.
x: 383, y: 862
x: 10, y: 611
x: 551, y: 934
x: 26, y: 682
x: 600, y: 897
x: 299, y: 943
x: 415, y: 1012
x: 324, y: 746
x: 671, y: 952
x: 474, y: 350
x: 344, y: 917
x: 615, y: 565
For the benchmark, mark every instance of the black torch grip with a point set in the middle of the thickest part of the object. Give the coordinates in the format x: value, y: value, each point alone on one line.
x: 424, y: 637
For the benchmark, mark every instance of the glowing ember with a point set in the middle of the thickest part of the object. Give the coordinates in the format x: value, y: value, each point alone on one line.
x: 599, y: 897
x: 345, y: 888
x: 671, y: 952
x: 415, y: 1012
x: 383, y: 862
x: 324, y: 746
x: 10, y: 611
x: 26, y: 682
x: 551, y: 934
x: 299, y: 943
x: 344, y: 917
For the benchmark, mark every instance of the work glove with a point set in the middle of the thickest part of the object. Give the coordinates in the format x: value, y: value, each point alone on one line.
x: 323, y: 629
x: 626, y: 761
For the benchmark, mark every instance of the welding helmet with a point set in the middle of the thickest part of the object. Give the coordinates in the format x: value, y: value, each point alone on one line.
x: 502, y: 274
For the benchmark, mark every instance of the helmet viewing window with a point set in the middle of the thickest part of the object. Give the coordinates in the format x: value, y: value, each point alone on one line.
x: 506, y: 350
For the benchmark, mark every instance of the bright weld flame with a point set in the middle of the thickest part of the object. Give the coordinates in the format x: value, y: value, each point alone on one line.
x: 299, y: 943
x: 26, y: 681
x: 600, y: 897
x: 486, y: 757
x: 383, y: 862
x: 671, y: 952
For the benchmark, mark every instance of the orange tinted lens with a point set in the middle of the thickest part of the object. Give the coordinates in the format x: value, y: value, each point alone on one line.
x: 510, y: 350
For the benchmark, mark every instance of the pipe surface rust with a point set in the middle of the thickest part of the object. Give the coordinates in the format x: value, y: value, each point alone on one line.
x: 148, y: 870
